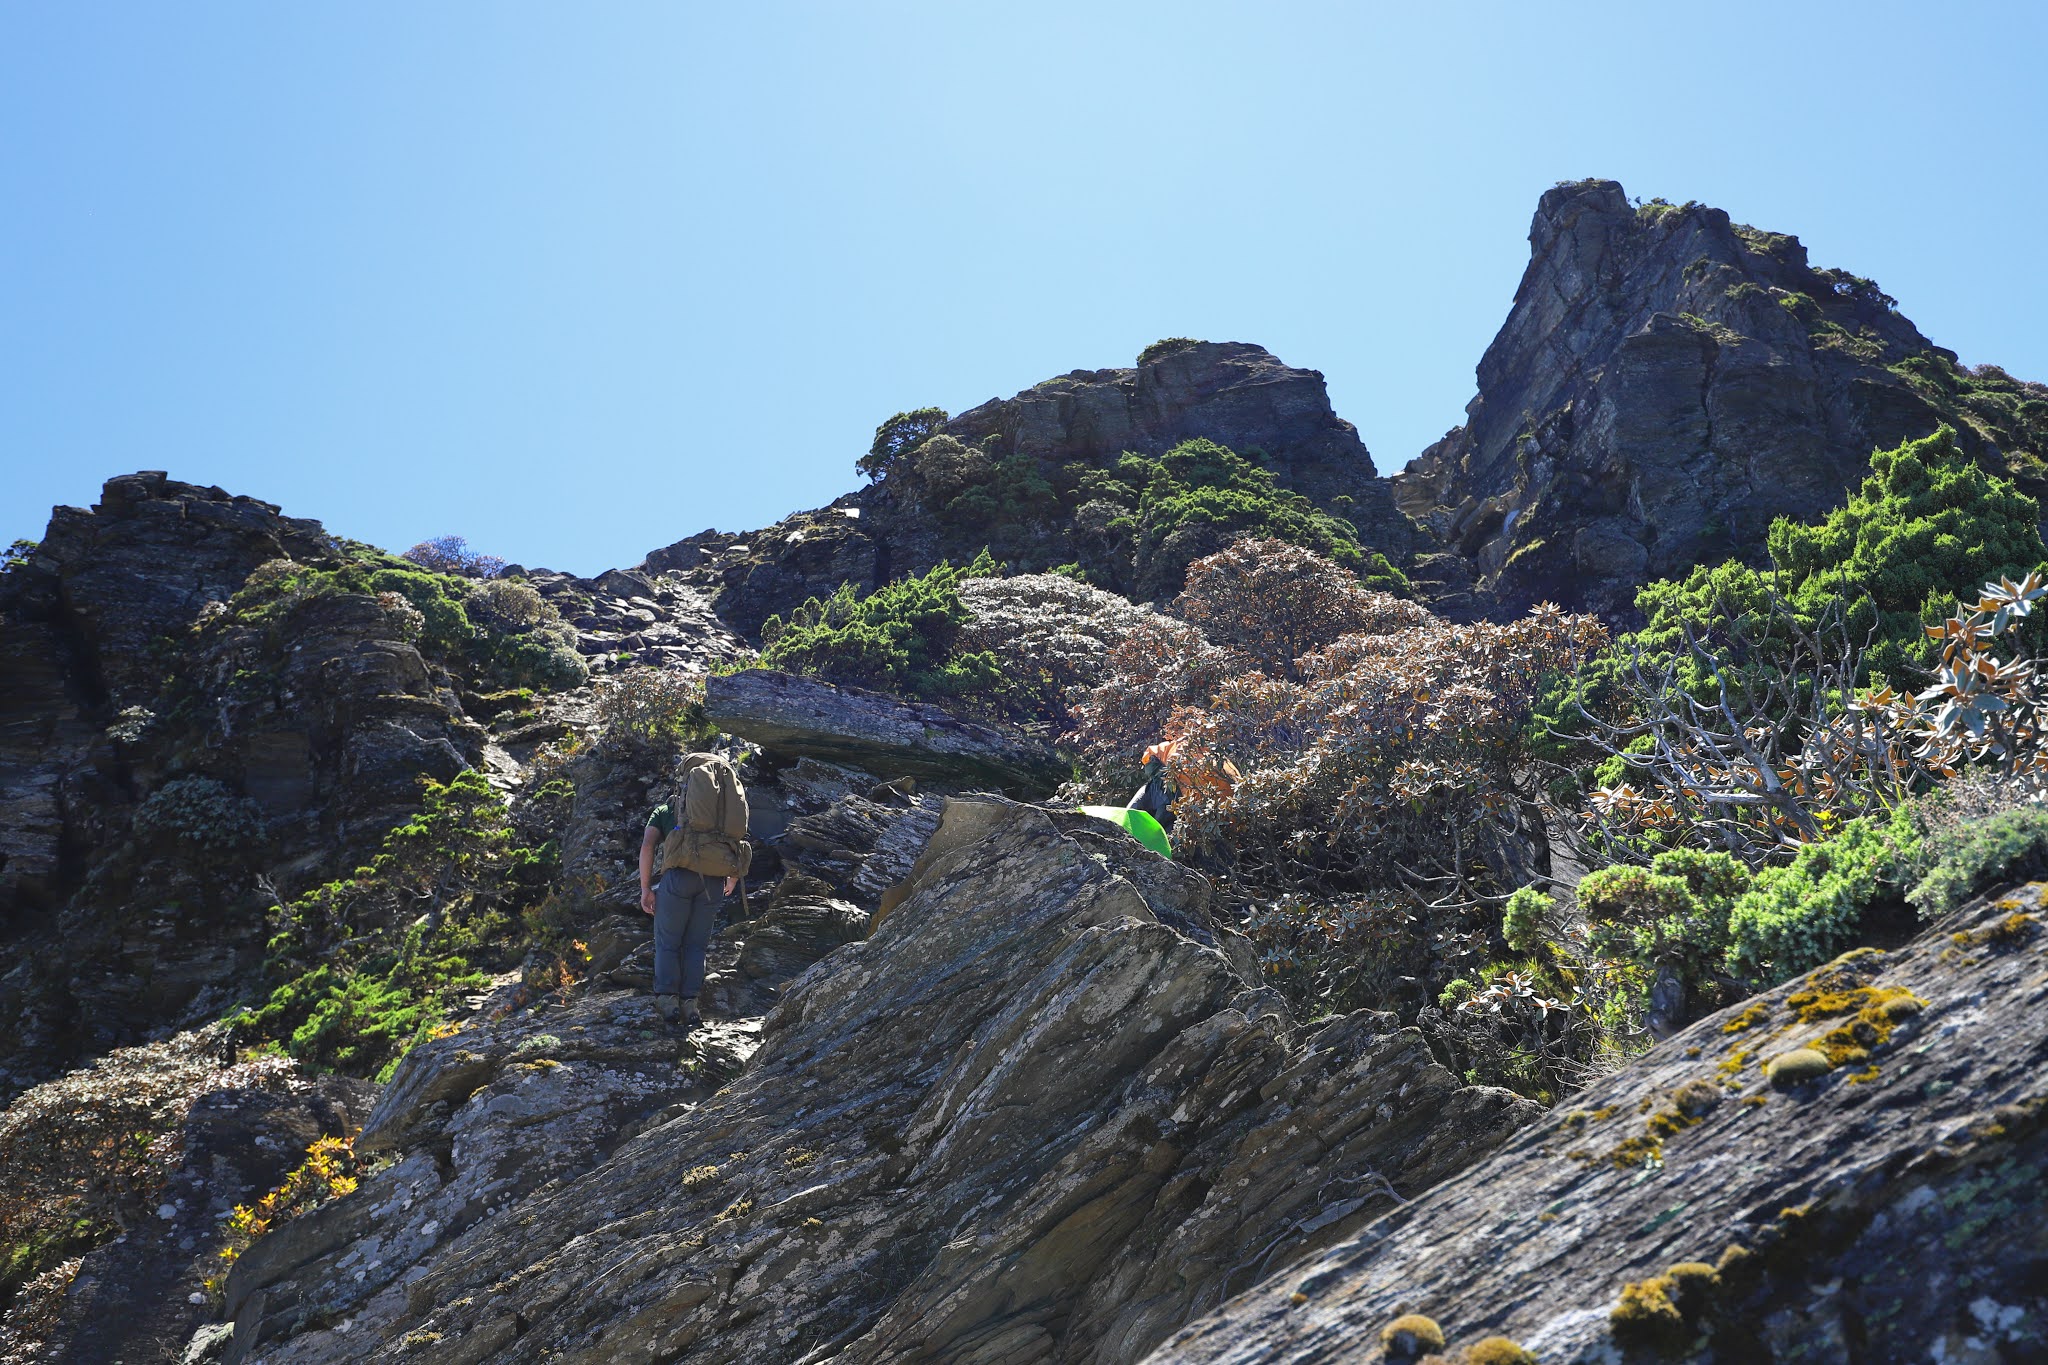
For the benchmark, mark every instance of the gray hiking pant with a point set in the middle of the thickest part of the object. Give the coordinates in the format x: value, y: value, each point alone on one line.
x: 686, y: 906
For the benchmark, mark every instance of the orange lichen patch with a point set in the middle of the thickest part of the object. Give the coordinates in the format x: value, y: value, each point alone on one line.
x: 1645, y: 1313
x: 1865, y: 1076
x: 1689, y: 1107
x: 1662, y: 1310
x: 1411, y: 1334
x: 1876, y: 1011
x: 1753, y: 1017
x: 1497, y: 1351
x: 1604, y: 1112
x: 1755, y: 1101
x: 1731, y: 1066
x: 1645, y: 1152
x: 1872, y: 1027
x: 2009, y: 932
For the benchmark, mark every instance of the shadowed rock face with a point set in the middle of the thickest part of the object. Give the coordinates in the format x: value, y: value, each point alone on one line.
x: 82, y: 631
x: 1659, y: 393
x: 1024, y: 1120
x: 1890, y: 1210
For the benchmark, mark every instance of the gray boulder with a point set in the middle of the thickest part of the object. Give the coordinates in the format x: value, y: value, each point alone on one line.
x: 797, y: 716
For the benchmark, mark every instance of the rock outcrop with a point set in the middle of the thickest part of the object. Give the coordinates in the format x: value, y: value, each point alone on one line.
x: 1235, y: 394
x: 1667, y: 383
x: 798, y: 716
x: 159, y: 752
x: 1024, y: 1120
x: 1885, y: 1209
x: 83, y: 630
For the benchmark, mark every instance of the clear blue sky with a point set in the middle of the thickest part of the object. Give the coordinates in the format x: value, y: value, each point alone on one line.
x: 575, y: 281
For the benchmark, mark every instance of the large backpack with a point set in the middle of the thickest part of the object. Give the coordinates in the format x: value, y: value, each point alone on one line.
x: 710, y: 809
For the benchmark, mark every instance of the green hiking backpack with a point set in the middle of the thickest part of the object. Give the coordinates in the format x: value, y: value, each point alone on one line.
x: 710, y: 810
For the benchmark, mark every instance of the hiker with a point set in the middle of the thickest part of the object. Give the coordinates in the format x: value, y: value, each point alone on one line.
x: 1156, y: 797
x: 700, y: 838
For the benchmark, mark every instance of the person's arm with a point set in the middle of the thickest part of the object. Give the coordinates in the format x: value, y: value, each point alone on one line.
x: 648, y: 842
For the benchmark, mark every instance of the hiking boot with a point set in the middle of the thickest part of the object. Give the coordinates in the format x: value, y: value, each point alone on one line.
x: 669, y: 1007
x: 691, y: 1014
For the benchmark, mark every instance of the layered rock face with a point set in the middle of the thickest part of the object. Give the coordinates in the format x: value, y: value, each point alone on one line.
x: 1667, y: 384
x: 83, y: 631
x: 797, y: 716
x: 1237, y: 395
x: 1026, y: 1119
x: 1884, y: 1208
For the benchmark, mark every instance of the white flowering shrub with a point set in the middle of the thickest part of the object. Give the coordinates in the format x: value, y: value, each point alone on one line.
x: 1051, y: 636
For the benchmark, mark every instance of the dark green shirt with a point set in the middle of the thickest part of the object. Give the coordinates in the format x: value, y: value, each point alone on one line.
x: 662, y: 821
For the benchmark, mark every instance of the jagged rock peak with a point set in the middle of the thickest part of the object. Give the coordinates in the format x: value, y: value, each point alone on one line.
x: 1667, y: 383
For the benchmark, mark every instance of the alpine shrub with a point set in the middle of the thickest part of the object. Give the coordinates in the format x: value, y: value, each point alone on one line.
x: 1888, y: 564
x: 904, y: 637
x: 452, y: 555
x: 897, y: 437
x: 1967, y: 859
x: 1050, y: 635
x: 1672, y: 914
x: 1805, y: 913
x: 1275, y: 603
x: 1389, y: 751
x: 201, y: 818
x: 649, y: 708
x: 366, y: 966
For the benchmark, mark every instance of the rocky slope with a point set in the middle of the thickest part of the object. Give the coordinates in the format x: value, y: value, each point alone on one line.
x: 1038, y: 1113
x: 1666, y: 384
x: 1884, y: 1208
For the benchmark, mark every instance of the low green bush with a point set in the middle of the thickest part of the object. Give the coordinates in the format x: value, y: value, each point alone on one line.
x: 501, y: 630
x: 1926, y: 521
x: 1674, y: 913
x: 903, y: 637
x: 365, y: 967
x: 1805, y: 913
x: 1133, y: 524
x: 1968, y: 859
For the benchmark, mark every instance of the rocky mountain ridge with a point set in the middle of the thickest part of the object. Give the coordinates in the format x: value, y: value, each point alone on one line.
x: 986, y: 1082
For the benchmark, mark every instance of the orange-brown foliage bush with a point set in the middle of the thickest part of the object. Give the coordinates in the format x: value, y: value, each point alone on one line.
x: 1329, y: 736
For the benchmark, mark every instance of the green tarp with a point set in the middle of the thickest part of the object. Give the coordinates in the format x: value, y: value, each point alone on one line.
x: 1137, y: 823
